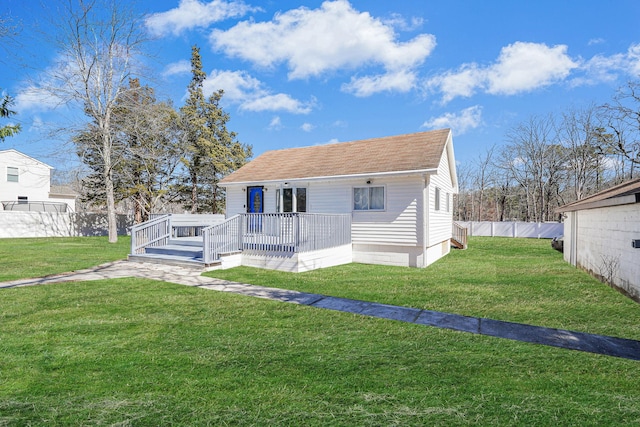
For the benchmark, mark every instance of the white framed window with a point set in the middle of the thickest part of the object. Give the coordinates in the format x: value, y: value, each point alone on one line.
x: 448, y: 202
x: 292, y: 199
x: 12, y: 174
x: 368, y: 198
x: 437, y: 199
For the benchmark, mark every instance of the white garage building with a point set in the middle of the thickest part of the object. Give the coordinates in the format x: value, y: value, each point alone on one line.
x: 602, y: 236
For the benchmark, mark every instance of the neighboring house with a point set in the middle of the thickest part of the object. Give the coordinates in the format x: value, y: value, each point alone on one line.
x: 398, y: 191
x: 25, y: 185
x: 602, y: 236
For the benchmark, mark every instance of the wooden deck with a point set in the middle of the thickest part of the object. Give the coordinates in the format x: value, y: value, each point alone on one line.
x: 265, y: 237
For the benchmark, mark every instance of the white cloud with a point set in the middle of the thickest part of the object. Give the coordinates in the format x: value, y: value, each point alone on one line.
x: 521, y: 67
x: 177, y: 68
x: 238, y: 86
x: 401, y: 81
x: 603, y: 68
x: 278, y: 102
x: 34, y: 98
x: 194, y: 13
x: 251, y: 95
x: 460, y: 123
x: 307, y: 127
x: 275, y: 124
x: 398, y: 21
x: 313, y: 42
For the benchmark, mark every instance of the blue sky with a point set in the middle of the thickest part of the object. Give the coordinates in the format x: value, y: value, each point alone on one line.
x: 300, y: 73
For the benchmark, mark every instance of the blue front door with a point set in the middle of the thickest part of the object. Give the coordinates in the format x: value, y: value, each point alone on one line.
x: 255, y: 204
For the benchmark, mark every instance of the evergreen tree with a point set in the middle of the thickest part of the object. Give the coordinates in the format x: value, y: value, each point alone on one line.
x: 213, y: 151
x: 147, y: 134
x: 5, y: 112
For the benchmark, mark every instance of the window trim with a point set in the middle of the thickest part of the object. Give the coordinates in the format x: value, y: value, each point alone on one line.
x: 369, y: 187
x: 294, y: 198
x: 436, y: 199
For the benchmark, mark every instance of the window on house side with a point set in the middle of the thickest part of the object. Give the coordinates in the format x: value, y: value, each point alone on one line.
x: 301, y: 199
x: 437, y: 199
x: 12, y: 174
x: 448, y: 202
x: 287, y: 200
x: 289, y: 203
x: 368, y: 198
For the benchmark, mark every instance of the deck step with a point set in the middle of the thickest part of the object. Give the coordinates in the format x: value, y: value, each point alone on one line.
x: 456, y: 244
x: 176, y: 260
x: 187, y: 241
x: 176, y: 250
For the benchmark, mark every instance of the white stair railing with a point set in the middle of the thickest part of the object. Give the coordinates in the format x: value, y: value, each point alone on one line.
x: 222, y: 238
x: 155, y: 232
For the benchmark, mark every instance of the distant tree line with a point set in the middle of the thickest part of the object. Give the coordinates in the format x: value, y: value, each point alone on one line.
x: 548, y: 161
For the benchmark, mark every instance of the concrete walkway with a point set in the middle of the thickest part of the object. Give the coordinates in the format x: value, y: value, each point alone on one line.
x: 600, y: 344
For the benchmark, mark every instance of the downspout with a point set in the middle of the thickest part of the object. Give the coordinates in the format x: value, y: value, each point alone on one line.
x: 425, y: 219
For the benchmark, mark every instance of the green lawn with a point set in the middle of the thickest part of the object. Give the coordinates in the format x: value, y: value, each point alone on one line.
x: 519, y: 280
x: 139, y: 352
x: 26, y: 258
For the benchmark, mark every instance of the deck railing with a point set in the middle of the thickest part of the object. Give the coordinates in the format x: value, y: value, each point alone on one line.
x: 459, y: 236
x: 222, y: 238
x: 277, y: 233
x: 155, y: 232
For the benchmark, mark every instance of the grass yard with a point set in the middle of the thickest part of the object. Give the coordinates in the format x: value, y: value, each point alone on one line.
x: 36, y: 257
x: 144, y: 353
x: 518, y: 280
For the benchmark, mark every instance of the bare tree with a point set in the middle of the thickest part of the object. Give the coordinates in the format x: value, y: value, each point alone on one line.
x: 483, y: 179
x: 623, y: 120
x: 99, y: 43
x: 533, y: 157
x: 463, y: 200
x: 579, y: 132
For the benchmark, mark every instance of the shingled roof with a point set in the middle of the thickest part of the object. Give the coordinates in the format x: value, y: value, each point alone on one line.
x: 403, y: 153
x: 627, y: 192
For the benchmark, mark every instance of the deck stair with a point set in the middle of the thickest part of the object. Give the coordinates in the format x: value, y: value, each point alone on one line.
x: 459, y: 237
x: 287, y: 241
x: 184, y: 251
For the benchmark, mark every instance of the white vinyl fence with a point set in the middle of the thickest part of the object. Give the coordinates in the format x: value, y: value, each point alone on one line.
x: 536, y: 230
x: 53, y: 224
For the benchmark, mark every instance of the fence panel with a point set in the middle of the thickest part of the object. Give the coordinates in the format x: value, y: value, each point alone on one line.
x: 535, y: 230
x: 53, y: 224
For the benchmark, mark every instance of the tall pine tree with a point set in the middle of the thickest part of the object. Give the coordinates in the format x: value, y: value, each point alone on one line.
x: 213, y: 151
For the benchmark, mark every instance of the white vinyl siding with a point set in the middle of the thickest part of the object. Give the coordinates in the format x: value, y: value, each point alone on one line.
x: 26, y: 177
x: 398, y: 224
x: 440, y: 220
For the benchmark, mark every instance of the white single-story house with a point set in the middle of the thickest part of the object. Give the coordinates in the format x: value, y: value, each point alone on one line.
x: 397, y: 191
x: 602, y: 236
x: 25, y: 185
